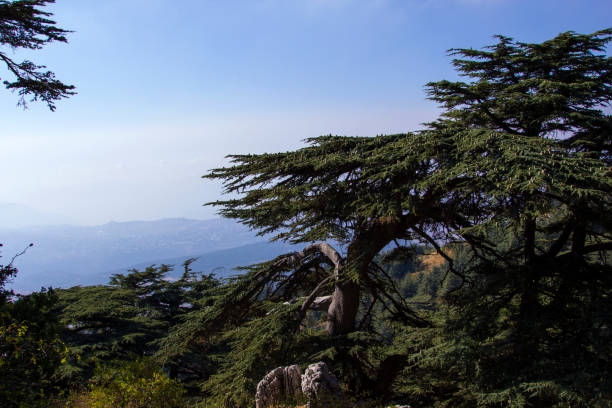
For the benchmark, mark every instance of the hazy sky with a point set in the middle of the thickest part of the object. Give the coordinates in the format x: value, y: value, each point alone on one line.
x: 166, y: 89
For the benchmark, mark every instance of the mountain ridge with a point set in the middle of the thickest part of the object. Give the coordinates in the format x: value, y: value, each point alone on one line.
x: 82, y: 255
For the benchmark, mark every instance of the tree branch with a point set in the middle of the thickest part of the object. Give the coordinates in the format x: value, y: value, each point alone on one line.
x: 439, y: 250
x: 368, y: 312
x: 560, y: 242
x: 604, y: 246
x: 313, y: 294
x: 322, y: 247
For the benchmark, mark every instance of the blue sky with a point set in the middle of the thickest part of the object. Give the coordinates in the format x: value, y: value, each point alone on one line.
x: 166, y: 89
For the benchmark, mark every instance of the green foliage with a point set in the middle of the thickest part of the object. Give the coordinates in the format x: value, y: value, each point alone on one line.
x: 532, y: 152
x: 6, y: 273
x: 28, y: 364
x: 23, y: 24
x: 31, y: 351
x: 130, y: 384
x: 128, y: 317
x: 266, y: 341
x: 314, y: 193
x: 533, y: 147
x: 510, y: 187
x: 555, y: 88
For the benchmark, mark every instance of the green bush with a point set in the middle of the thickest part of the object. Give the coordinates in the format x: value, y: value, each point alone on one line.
x: 27, y: 365
x: 134, y: 384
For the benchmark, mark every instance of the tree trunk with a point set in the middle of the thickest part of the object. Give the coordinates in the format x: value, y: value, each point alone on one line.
x: 349, y: 273
x: 342, y: 312
x: 343, y: 309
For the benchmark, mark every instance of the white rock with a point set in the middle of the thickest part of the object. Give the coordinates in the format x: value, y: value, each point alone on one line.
x: 319, y: 385
x: 279, y: 385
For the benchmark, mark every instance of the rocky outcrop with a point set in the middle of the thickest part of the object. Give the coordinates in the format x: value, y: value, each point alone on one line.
x: 287, y: 384
x: 279, y: 385
x: 320, y: 386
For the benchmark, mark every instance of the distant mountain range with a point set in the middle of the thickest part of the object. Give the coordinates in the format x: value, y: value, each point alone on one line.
x: 222, y: 263
x: 64, y: 256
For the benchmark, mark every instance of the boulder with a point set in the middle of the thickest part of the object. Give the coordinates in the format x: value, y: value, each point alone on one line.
x: 279, y: 385
x: 320, y: 386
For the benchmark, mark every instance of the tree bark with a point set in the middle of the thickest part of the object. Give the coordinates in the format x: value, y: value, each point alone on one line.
x: 349, y: 273
x: 367, y: 243
x: 343, y: 309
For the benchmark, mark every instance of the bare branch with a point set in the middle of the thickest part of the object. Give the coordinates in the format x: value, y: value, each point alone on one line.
x: 321, y: 303
x: 322, y: 247
x: 309, y: 300
x: 18, y: 255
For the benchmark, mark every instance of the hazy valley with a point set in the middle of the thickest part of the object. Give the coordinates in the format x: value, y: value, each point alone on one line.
x: 64, y: 256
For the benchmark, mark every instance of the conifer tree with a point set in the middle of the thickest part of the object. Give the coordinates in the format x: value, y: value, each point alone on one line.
x: 23, y: 24
x: 530, y: 173
x: 514, y: 175
x: 128, y: 317
x: 338, y: 189
x: 30, y: 349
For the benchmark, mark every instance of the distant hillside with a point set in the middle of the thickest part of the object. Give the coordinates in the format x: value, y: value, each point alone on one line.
x: 67, y: 255
x: 222, y: 262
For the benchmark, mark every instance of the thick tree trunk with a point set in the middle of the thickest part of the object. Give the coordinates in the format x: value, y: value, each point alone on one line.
x: 344, y: 302
x: 366, y: 245
x: 343, y: 309
x: 349, y: 273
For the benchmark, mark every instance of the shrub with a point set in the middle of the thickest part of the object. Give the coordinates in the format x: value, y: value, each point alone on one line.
x: 134, y: 384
